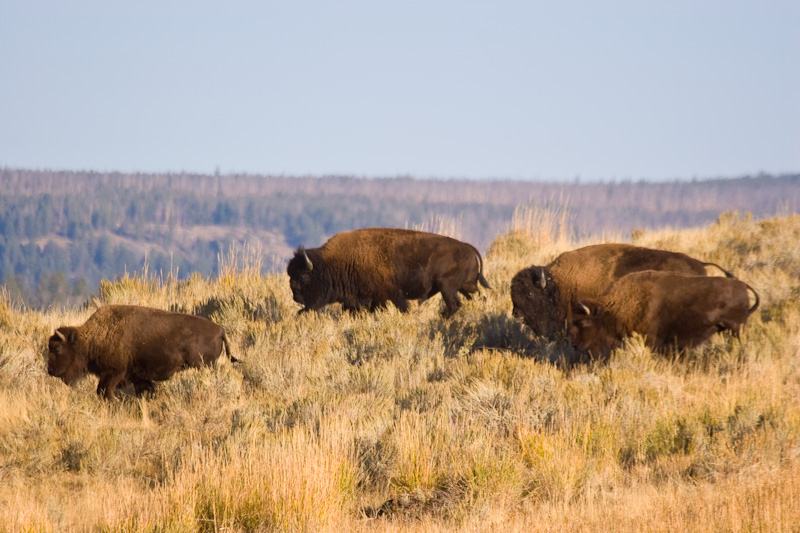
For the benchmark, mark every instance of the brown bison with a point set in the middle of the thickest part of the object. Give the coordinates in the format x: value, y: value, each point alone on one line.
x: 543, y: 296
x: 670, y: 310
x: 123, y: 344
x: 366, y: 268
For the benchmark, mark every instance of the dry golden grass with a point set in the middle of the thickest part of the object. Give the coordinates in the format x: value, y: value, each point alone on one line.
x: 392, y: 422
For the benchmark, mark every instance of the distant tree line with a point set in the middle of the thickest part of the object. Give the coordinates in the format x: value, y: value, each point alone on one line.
x: 61, y: 232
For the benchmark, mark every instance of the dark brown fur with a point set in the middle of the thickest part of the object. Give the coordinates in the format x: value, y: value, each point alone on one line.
x: 123, y: 344
x: 366, y: 268
x: 586, y: 273
x: 670, y: 310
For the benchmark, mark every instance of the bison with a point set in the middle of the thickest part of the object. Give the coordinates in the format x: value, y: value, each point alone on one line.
x: 366, y: 268
x: 543, y: 296
x: 670, y: 310
x: 123, y: 344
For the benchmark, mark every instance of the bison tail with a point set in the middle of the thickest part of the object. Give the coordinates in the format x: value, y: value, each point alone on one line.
x: 755, y: 294
x: 727, y: 274
x: 227, y: 347
x: 481, y: 279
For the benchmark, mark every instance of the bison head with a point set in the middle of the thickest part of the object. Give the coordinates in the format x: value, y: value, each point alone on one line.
x: 593, y: 329
x: 305, y: 280
x: 66, y: 358
x: 536, y: 300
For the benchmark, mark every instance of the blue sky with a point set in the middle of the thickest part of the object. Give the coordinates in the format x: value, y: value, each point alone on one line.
x: 524, y: 90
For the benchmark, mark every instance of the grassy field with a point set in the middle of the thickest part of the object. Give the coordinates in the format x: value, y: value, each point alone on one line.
x: 392, y: 422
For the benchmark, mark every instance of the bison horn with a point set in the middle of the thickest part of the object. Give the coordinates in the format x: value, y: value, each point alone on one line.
x: 61, y: 336
x: 585, y: 309
x: 309, y: 264
x: 542, y: 279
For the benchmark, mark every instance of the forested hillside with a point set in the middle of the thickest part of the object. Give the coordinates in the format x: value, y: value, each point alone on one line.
x: 61, y: 232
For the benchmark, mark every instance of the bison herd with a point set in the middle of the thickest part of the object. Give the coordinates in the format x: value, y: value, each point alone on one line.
x: 596, y: 296
x: 603, y: 293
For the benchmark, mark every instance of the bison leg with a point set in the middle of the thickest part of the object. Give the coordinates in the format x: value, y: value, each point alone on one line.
x: 355, y: 308
x: 143, y: 385
x: 400, y: 302
x: 108, y: 383
x: 451, y: 303
x: 729, y: 325
x: 468, y: 289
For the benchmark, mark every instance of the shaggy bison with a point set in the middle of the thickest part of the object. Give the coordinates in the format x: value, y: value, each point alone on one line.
x: 364, y: 269
x: 668, y: 309
x: 123, y: 344
x: 543, y: 296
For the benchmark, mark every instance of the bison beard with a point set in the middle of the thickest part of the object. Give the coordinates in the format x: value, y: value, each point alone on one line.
x: 668, y: 310
x: 365, y: 269
x: 126, y: 344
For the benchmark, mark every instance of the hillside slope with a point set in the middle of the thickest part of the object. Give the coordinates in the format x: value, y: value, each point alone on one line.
x: 392, y: 422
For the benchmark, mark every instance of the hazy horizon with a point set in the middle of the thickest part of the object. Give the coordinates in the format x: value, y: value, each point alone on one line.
x: 575, y: 180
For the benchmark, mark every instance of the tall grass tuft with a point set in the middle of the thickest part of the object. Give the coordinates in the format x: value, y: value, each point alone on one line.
x: 546, y: 225
x: 442, y: 225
